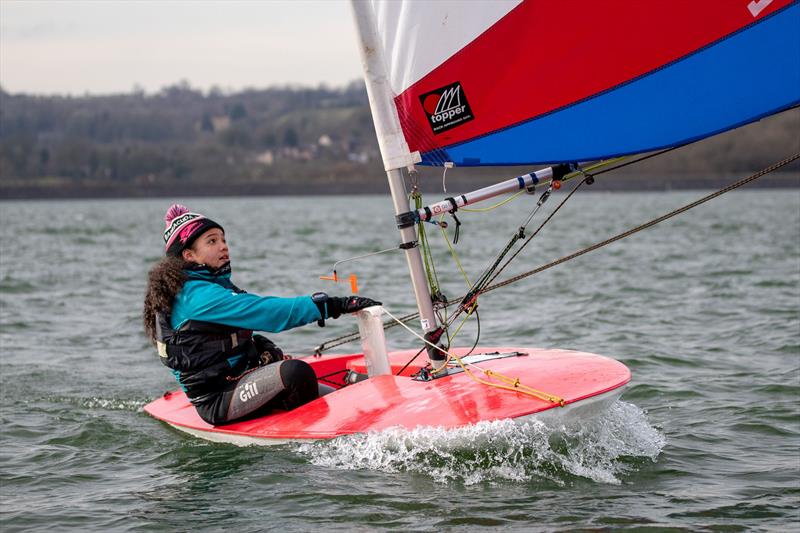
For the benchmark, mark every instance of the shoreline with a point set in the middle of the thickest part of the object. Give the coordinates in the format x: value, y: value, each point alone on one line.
x: 621, y: 182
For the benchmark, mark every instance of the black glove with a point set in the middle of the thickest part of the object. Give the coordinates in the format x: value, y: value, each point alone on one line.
x: 349, y: 304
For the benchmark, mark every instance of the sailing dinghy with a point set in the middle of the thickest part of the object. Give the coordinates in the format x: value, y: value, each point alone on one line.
x: 520, y: 82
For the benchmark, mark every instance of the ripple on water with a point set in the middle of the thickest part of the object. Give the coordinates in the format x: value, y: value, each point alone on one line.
x: 11, y: 285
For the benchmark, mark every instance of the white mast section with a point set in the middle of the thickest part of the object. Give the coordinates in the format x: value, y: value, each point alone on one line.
x: 394, y: 149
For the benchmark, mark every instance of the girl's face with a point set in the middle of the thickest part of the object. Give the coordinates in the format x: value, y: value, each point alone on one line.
x: 209, y: 249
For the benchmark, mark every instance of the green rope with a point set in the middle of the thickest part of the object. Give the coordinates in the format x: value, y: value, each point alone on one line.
x: 427, y: 255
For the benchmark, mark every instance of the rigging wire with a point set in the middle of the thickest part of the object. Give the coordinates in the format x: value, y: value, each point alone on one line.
x: 648, y: 224
x: 363, y: 256
x: 532, y: 235
x: 344, y: 339
x: 492, y: 273
x: 637, y: 160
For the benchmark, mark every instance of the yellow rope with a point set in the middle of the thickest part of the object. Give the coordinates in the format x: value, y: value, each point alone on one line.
x: 453, y: 252
x: 597, y: 165
x: 495, y: 206
x: 517, y: 386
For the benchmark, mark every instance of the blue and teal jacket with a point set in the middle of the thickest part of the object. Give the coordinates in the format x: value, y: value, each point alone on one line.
x: 210, y: 308
x: 211, y: 296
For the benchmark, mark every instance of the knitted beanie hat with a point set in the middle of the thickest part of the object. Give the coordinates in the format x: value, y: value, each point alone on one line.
x: 183, y: 227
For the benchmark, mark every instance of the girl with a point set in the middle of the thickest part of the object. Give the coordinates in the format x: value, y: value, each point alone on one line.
x: 202, y: 325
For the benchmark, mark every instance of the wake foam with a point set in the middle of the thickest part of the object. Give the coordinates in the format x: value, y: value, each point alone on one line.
x: 602, y: 449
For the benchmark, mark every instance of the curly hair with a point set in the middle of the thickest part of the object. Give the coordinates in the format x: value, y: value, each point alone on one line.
x: 164, y: 281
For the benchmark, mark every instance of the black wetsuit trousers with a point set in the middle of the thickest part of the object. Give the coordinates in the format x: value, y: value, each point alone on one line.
x: 282, y: 385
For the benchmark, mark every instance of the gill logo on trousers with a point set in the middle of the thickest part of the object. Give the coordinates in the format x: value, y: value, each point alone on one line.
x: 249, y: 391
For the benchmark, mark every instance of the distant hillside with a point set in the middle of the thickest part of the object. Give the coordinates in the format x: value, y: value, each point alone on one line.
x: 278, y: 140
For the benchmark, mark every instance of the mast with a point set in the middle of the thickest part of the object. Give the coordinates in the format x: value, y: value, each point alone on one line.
x: 394, y: 149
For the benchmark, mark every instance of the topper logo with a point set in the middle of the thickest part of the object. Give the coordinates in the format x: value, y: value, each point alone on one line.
x: 450, y: 100
x: 446, y: 107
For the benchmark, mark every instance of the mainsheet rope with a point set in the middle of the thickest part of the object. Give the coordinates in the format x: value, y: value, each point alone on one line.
x: 350, y: 337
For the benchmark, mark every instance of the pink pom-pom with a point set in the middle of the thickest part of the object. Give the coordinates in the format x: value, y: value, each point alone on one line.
x: 175, y: 210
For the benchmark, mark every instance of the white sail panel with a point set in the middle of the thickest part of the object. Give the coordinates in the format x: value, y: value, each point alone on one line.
x: 419, y: 36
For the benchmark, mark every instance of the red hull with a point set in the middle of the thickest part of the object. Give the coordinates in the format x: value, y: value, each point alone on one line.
x: 399, y: 401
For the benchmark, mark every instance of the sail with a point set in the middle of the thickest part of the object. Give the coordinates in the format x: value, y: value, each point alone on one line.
x: 543, y: 81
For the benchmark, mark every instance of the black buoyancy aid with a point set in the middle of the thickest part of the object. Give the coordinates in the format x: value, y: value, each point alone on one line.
x: 199, y: 351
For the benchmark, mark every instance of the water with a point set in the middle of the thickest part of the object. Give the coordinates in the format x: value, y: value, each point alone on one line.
x: 704, y: 309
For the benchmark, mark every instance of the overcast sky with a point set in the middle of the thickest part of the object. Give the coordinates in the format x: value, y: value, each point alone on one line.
x: 75, y: 47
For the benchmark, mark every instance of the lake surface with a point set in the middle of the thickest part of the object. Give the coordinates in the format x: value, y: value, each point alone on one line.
x: 704, y: 309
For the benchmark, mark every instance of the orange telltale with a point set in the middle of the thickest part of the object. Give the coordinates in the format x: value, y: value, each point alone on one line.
x: 352, y: 279
x: 353, y: 284
x: 333, y: 278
